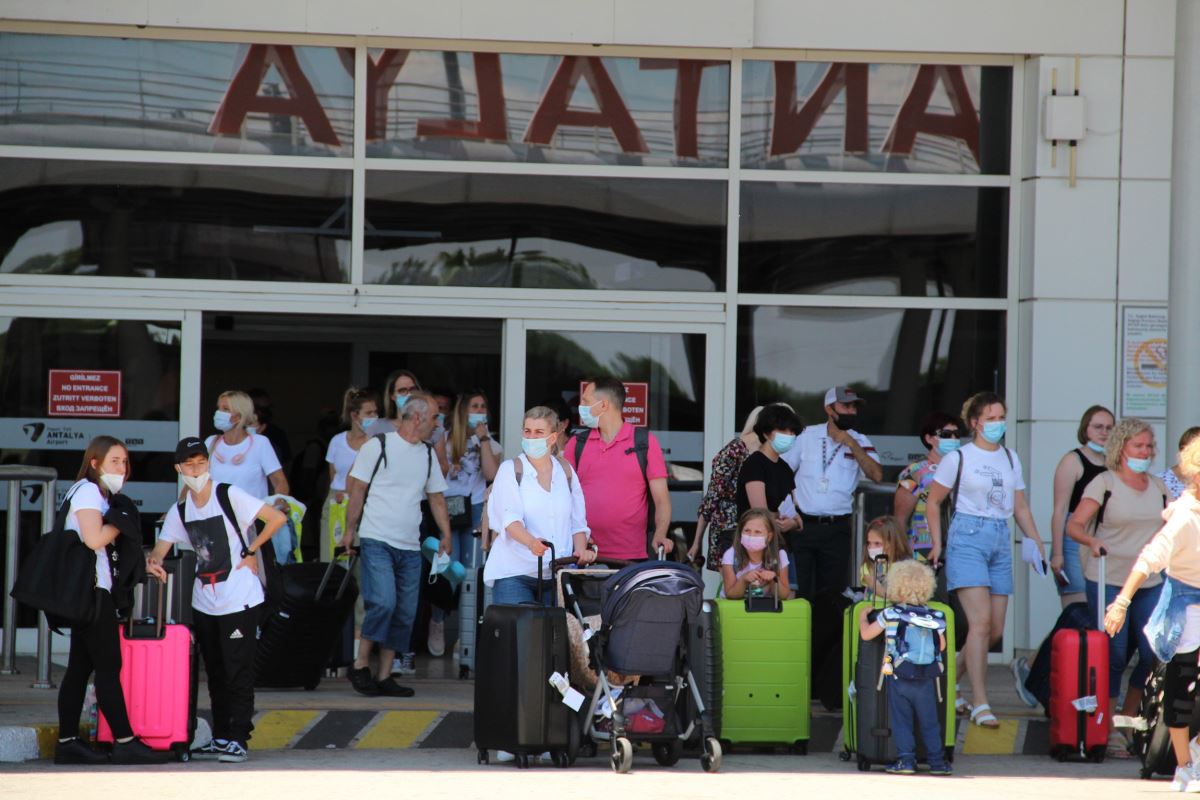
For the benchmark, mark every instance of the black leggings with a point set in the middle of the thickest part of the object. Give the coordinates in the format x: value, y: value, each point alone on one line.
x: 1179, y: 689
x: 94, y: 648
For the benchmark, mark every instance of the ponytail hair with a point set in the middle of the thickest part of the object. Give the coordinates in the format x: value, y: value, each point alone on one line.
x: 354, y: 399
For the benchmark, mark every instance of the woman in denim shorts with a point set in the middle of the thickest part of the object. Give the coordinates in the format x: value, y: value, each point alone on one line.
x: 985, y: 487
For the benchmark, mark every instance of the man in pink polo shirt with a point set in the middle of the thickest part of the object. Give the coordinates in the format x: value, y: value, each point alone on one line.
x: 616, y: 492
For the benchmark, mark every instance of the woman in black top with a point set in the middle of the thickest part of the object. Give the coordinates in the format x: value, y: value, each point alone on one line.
x: 1074, y: 472
x: 765, y: 480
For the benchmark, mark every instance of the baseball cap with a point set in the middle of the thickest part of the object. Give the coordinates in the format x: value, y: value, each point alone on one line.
x: 189, y: 446
x: 842, y: 394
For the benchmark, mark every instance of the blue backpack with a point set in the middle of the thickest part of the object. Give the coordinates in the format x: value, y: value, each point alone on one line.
x: 913, y: 646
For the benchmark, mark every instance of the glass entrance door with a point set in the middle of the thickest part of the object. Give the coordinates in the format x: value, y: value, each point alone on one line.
x: 672, y: 373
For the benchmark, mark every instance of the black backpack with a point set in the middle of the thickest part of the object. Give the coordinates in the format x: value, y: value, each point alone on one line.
x: 640, y: 449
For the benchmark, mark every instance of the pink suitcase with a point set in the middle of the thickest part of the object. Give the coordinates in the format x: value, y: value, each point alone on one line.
x: 158, y: 676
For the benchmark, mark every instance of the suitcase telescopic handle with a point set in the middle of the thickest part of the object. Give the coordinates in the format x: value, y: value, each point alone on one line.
x: 553, y: 557
x: 1101, y: 590
x: 353, y: 556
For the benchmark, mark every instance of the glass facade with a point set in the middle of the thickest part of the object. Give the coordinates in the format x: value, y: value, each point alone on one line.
x: 547, y: 232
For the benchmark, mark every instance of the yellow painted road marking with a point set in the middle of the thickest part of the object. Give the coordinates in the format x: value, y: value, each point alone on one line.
x: 396, y: 729
x: 991, y: 742
x: 276, y: 729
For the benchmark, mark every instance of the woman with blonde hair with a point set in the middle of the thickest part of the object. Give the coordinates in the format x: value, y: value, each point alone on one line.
x: 1125, y: 503
x: 238, y: 455
x: 1174, y: 627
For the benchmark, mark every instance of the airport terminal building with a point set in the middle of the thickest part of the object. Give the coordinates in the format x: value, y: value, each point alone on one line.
x: 724, y: 202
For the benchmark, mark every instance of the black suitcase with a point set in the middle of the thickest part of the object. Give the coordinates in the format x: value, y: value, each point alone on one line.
x: 704, y: 657
x: 875, y: 744
x: 297, y: 640
x: 180, y: 566
x: 516, y: 708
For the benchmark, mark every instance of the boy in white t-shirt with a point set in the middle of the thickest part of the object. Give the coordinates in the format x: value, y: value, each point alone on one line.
x: 218, y: 523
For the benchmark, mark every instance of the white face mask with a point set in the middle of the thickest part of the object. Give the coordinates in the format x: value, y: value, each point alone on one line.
x: 112, y: 481
x: 874, y: 552
x: 197, y: 483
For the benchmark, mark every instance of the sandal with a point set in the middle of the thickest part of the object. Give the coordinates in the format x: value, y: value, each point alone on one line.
x: 1117, y: 746
x: 961, y: 706
x: 982, y: 716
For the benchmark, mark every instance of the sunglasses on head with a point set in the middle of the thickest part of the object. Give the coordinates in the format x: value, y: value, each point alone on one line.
x: 948, y: 433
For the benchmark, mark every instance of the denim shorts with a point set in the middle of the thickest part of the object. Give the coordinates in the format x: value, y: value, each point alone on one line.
x: 1072, y: 566
x: 979, y: 553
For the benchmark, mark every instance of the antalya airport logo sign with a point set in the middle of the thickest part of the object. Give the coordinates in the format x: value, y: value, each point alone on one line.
x: 34, y: 430
x: 50, y: 435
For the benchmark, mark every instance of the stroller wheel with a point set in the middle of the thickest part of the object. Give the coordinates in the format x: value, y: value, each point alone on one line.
x: 667, y: 753
x: 711, y: 760
x: 588, y: 749
x: 622, y: 757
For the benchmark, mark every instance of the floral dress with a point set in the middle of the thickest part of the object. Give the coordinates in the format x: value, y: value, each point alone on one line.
x: 719, y: 504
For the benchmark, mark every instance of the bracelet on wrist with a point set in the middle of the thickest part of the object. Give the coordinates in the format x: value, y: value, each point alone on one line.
x: 1122, y: 602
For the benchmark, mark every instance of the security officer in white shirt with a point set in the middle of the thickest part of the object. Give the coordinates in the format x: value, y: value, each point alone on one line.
x: 829, y: 460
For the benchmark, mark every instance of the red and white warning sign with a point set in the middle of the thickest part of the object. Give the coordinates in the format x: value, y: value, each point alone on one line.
x: 85, y: 393
x: 637, y: 403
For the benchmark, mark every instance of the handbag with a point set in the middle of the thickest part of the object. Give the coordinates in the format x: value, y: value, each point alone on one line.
x: 459, y: 510
x: 58, y: 577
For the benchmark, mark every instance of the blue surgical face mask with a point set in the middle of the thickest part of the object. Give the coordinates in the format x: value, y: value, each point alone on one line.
x: 586, y: 416
x: 222, y: 420
x: 994, y: 431
x: 948, y: 446
x: 401, y: 401
x: 1098, y: 448
x: 535, y: 448
x: 441, y: 420
x: 475, y: 420
x: 1138, y: 464
x: 782, y: 442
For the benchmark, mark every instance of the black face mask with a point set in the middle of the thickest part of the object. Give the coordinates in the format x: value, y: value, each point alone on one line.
x: 845, y: 422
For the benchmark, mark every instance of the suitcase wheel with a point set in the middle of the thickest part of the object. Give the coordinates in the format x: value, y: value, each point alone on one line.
x: 622, y: 755
x: 1146, y: 773
x: 799, y: 747
x: 521, y: 760
x: 711, y: 760
x: 845, y: 755
x: 864, y: 764
x: 561, y: 759
x: 482, y: 756
x: 464, y: 672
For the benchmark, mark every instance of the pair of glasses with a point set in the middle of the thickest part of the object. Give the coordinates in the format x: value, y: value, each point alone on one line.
x: 948, y: 433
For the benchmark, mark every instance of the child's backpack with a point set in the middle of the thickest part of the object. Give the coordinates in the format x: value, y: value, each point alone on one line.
x: 913, y: 650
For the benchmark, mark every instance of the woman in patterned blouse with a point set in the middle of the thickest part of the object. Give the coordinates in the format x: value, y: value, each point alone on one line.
x: 940, y: 434
x: 718, y: 508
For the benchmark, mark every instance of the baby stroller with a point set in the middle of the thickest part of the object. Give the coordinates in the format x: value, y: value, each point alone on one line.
x: 645, y: 611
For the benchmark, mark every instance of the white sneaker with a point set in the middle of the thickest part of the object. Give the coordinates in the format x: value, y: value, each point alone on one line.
x: 407, y: 665
x: 1180, y: 780
x: 503, y: 757
x: 437, y: 638
x: 1194, y: 752
x: 546, y: 758
x: 1189, y: 782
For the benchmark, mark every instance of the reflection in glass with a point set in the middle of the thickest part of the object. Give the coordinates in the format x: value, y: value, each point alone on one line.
x: 931, y: 118
x: 544, y: 232
x: 146, y: 94
x: 671, y: 363
x: 547, y: 108
x: 905, y: 363
x: 174, y: 221
x: 911, y: 241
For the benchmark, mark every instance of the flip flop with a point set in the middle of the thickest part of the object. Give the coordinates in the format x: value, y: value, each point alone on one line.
x: 982, y: 716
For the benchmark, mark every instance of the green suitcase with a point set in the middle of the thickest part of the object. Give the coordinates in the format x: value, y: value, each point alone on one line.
x: 850, y: 643
x: 766, y: 664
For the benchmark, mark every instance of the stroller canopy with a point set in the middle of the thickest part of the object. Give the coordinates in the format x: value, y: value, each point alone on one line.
x: 643, y: 613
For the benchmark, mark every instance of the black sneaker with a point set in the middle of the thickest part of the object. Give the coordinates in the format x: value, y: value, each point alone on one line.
x: 902, y: 768
x: 389, y: 687
x: 135, y: 751
x: 363, y: 682
x: 211, y: 750
x: 77, y: 751
x: 235, y: 753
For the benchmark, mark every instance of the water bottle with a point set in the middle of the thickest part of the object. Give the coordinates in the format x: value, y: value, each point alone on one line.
x: 88, y: 729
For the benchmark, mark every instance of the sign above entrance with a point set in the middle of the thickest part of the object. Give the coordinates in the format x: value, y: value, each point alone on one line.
x: 637, y: 402
x: 84, y: 393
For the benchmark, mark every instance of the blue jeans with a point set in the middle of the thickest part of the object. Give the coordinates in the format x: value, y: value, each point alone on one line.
x: 1120, y: 648
x: 390, y: 583
x: 1073, y: 567
x: 463, y: 543
x: 979, y: 553
x: 521, y: 589
x: 912, y: 705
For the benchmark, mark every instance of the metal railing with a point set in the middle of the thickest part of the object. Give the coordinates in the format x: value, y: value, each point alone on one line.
x: 15, y: 475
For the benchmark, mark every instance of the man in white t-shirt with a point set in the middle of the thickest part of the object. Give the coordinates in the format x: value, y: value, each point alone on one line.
x: 390, y: 477
x: 829, y: 460
x: 218, y: 522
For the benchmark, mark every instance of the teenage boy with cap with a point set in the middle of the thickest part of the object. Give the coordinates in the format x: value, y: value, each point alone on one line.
x: 227, y: 598
x: 829, y: 460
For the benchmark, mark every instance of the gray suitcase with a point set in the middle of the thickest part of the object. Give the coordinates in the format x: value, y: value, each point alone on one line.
x: 473, y: 598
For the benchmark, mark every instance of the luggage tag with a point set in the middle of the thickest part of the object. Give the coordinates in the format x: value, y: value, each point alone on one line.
x: 570, y: 698
x: 823, y: 485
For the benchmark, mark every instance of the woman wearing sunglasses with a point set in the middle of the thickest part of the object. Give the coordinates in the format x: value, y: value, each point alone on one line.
x: 940, y: 434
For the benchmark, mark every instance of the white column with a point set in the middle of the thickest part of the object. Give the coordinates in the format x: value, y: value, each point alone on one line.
x: 1183, y: 387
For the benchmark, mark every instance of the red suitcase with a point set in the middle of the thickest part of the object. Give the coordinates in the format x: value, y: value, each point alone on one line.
x: 158, y: 676
x: 1079, y: 672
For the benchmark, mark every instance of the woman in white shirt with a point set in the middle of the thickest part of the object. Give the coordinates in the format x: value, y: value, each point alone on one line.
x: 95, y: 646
x: 360, y: 409
x: 239, y: 457
x: 543, y: 501
x: 990, y: 490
